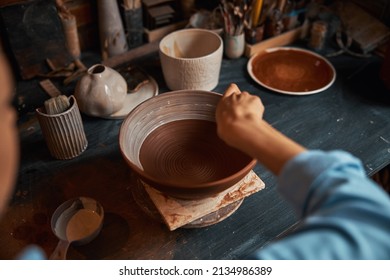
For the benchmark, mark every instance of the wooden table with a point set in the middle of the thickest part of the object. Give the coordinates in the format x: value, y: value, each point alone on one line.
x: 353, y: 114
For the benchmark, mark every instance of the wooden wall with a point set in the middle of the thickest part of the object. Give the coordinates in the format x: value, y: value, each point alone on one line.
x: 85, y: 12
x: 378, y: 8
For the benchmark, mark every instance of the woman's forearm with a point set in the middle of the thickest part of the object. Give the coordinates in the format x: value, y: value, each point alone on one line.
x: 270, y: 147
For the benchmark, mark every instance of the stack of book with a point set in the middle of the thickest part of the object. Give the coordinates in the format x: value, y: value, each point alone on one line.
x: 158, y: 13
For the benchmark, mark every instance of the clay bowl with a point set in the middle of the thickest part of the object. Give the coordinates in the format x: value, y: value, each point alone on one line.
x: 170, y: 142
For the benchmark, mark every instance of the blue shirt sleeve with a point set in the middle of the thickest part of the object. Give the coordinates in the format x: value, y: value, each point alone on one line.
x: 344, y: 214
x: 32, y: 252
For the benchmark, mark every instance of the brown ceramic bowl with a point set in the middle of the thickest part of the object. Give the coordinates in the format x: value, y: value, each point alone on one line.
x: 170, y: 142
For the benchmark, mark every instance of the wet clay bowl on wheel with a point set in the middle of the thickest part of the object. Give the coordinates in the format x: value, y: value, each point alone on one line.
x: 170, y: 142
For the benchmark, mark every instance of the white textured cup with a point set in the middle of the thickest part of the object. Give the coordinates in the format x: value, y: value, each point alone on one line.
x: 191, y: 59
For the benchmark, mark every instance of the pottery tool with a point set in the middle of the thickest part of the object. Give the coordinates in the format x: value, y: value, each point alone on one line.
x: 81, y: 70
x: 179, y: 213
x: 256, y: 12
x: 57, y: 105
x: 58, y: 71
x: 49, y: 88
x: 76, y: 221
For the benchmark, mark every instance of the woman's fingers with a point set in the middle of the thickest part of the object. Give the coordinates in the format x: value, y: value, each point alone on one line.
x: 233, y: 88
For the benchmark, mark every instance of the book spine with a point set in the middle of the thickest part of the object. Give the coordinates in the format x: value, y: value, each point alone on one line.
x: 134, y: 27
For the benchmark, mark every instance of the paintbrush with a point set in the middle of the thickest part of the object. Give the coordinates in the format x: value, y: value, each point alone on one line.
x: 256, y: 12
x: 236, y: 15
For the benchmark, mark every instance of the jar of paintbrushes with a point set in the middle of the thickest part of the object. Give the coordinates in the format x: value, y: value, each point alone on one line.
x: 254, y: 33
x: 236, y: 15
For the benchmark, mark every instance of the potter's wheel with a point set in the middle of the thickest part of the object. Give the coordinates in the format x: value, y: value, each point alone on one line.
x: 143, y: 200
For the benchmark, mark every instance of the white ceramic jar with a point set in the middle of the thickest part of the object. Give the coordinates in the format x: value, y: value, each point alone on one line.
x: 234, y: 45
x: 101, y: 91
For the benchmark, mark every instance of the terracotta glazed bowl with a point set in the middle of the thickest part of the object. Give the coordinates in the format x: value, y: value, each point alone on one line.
x: 170, y: 142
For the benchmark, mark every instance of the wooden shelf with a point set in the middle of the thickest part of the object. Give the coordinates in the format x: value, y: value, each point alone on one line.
x: 281, y: 40
x: 157, y: 34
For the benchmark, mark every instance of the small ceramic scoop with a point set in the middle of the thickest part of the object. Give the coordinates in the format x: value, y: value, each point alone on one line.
x: 76, y: 221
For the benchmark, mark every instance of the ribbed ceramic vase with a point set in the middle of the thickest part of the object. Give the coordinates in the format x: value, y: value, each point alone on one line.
x: 112, y: 36
x: 64, y: 133
x: 101, y: 91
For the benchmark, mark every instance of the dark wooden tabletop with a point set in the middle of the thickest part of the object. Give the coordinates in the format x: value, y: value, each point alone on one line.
x: 353, y: 115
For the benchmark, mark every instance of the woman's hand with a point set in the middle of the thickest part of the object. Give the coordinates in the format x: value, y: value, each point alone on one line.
x: 237, y: 114
x: 240, y: 124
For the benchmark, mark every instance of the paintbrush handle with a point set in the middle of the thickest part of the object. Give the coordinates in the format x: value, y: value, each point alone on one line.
x: 256, y: 12
x: 281, y: 5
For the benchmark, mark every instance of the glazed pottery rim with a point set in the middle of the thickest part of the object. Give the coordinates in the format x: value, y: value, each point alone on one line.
x: 275, y: 49
x: 199, y: 30
x: 237, y: 176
